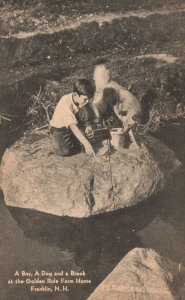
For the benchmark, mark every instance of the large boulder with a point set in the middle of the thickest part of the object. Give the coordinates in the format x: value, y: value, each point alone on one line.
x: 143, y: 275
x: 35, y: 177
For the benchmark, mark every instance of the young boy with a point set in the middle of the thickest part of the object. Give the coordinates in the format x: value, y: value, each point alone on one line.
x: 70, y: 110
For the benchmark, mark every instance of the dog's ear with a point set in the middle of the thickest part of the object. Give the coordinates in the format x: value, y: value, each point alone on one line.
x: 110, y: 96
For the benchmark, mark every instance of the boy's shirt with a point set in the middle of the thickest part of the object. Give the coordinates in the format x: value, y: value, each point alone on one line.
x: 65, y: 112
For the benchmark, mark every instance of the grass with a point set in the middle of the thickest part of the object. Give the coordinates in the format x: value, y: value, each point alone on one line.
x: 68, y: 54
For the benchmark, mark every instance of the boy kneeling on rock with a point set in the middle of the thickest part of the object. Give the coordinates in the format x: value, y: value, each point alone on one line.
x: 72, y: 111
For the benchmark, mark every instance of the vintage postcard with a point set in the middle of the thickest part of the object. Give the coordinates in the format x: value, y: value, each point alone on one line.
x: 92, y: 149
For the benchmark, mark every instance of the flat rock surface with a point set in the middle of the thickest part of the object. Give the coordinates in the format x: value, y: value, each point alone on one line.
x: 33, y: 176
x: 142, y: 274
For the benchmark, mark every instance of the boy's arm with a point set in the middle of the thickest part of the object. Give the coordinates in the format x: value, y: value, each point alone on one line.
x: 79, y: 135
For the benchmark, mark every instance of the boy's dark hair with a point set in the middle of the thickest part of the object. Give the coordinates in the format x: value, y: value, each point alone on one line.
x: 83, y: 87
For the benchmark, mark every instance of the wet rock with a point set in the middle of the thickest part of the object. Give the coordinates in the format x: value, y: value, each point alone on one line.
x: 142, y: 274
x: 33, y: 176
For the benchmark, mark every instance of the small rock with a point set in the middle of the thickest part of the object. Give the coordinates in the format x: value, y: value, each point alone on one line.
x: 142, y: 274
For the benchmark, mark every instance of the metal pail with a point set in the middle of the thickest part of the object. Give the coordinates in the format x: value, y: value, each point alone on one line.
x: 117, y: 138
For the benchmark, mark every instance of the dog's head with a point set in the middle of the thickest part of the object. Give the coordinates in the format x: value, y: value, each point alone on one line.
x: 104, y: 102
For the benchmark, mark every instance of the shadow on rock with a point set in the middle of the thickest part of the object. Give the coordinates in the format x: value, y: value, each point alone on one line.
x: 110, y: 230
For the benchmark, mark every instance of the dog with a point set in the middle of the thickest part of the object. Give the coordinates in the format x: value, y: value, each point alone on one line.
x: 111, y: 97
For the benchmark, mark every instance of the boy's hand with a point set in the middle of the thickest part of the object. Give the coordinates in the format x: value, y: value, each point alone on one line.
x: 79, y: 135
x: 89, y: 149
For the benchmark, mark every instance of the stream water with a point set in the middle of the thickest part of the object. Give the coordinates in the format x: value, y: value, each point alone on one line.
x: 32, y: 241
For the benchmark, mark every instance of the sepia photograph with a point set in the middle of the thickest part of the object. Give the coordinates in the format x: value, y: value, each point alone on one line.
x: 92, y: 150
